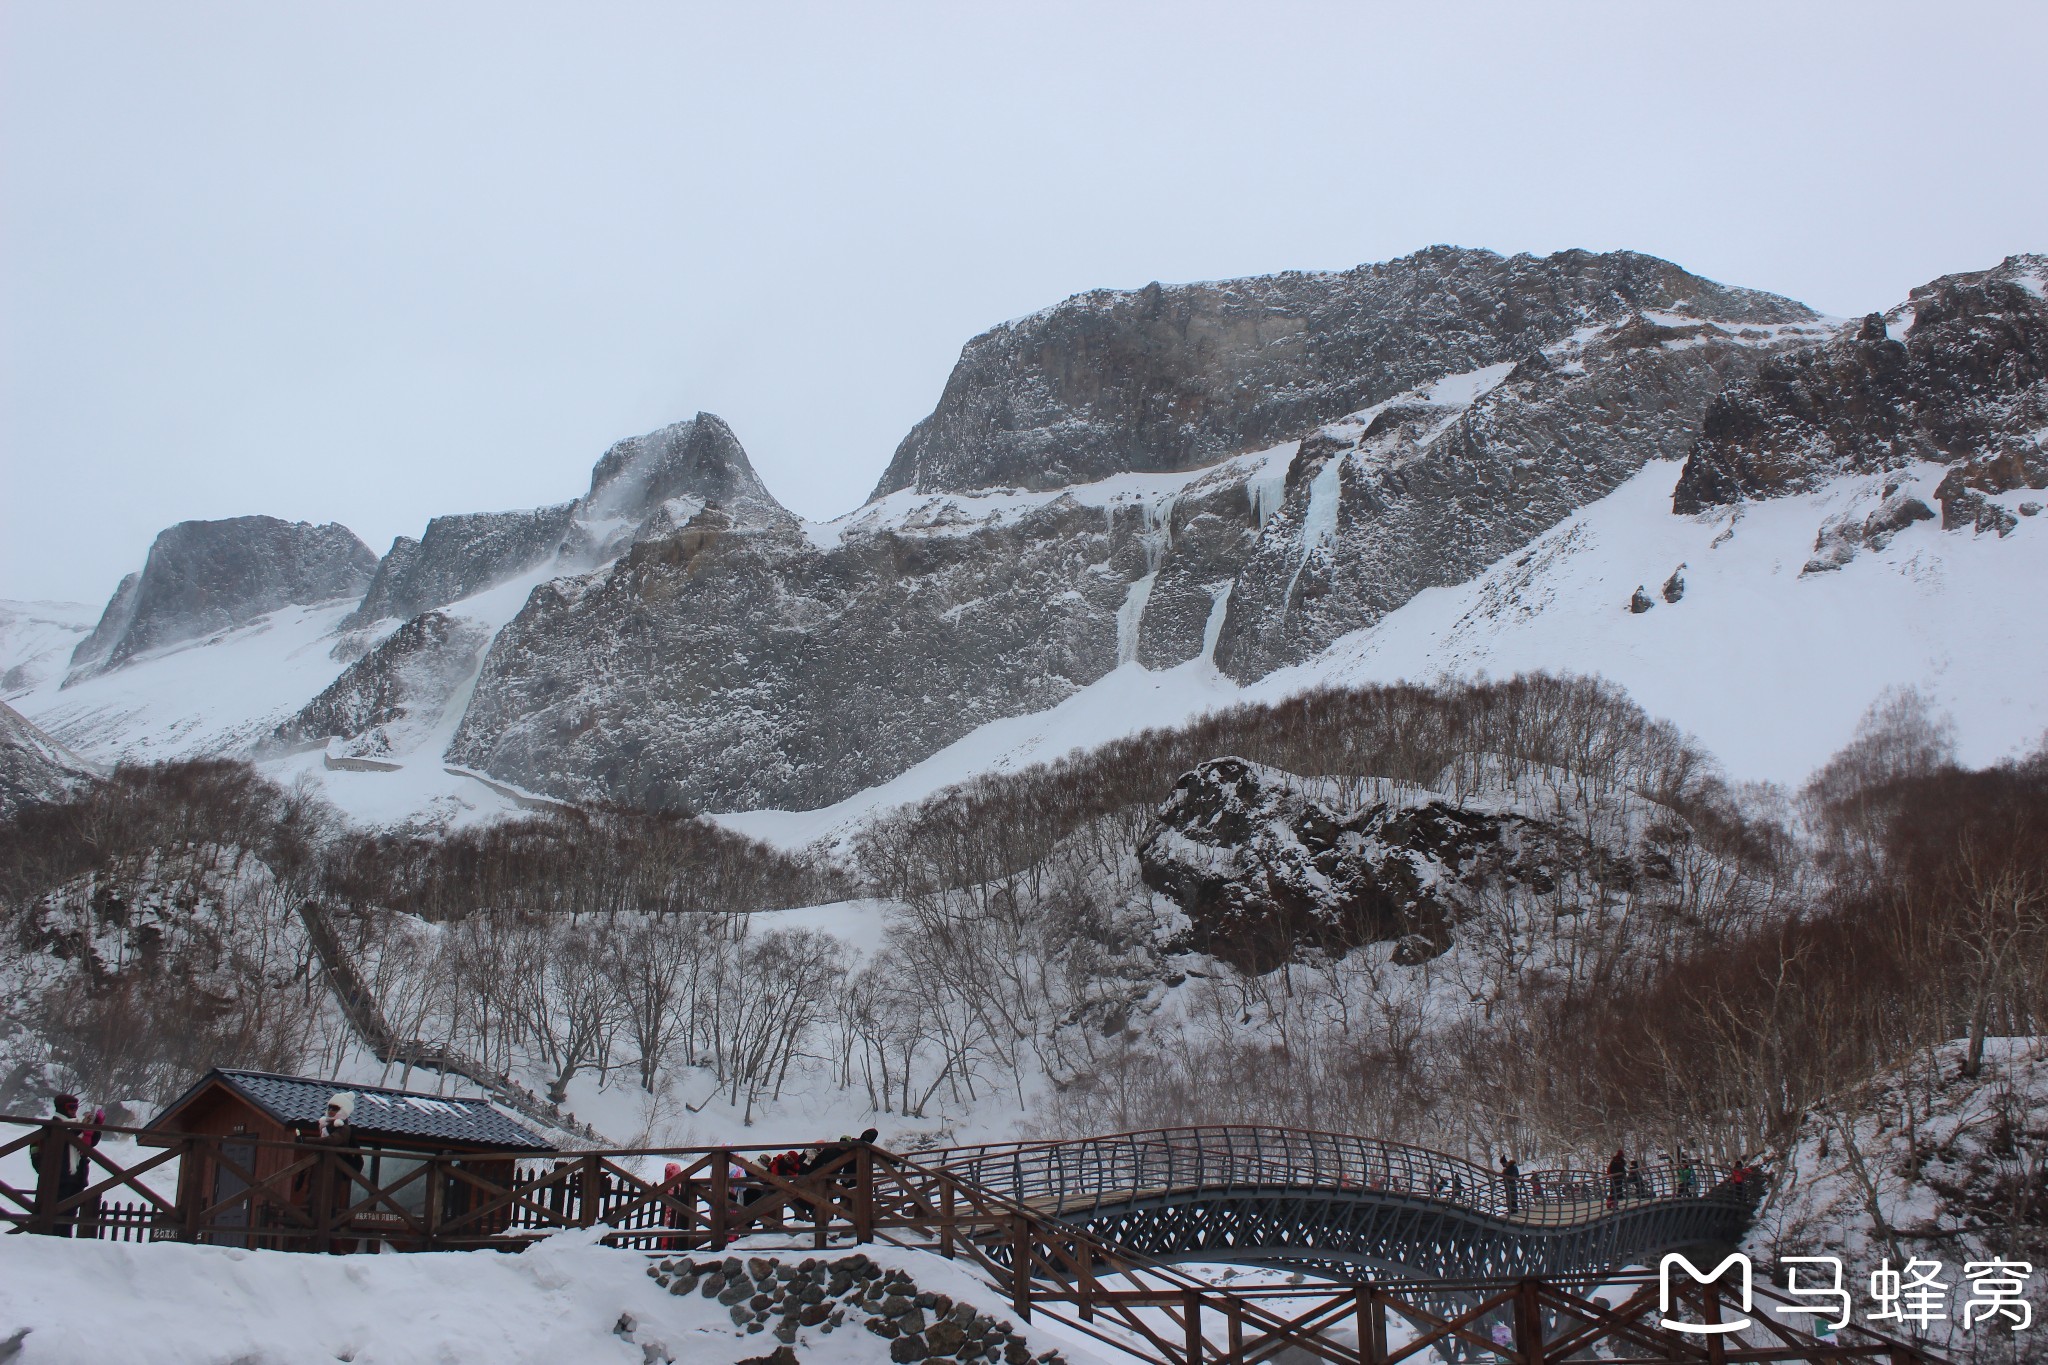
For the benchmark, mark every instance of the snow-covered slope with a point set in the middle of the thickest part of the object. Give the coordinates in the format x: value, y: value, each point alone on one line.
x: 36, y: 640
x: 1769, y: 666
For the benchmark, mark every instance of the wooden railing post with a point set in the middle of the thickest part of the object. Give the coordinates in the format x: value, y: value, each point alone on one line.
x: 864, y: 1194
x: 1233, y: 1317
x: 590, y: 1193
x: 1529, y: 1322
x: 52, y: 1148
x: 1192, y: 1307
x: 191, y: 1185
x: 1710, y: 1304
x: 1372, y: 1326
x: 437, y: 1180
x: 946, y: 1218
x: 1020, y: 1266
x: 324, y: 1201
x: 721, y: 1201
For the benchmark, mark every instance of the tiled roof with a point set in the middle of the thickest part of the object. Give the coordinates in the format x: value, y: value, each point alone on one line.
x: 386, y: 1113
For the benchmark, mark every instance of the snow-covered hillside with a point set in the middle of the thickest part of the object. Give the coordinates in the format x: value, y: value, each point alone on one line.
x: 1769, y: 665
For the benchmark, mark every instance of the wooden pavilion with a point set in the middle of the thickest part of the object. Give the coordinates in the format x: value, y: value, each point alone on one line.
x: 265, y: 1123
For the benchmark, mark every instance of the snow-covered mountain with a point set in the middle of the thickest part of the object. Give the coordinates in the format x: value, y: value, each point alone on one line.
x: 1135, y: 506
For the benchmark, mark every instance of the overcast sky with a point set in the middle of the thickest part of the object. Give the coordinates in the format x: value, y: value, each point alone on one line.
x: 372, y: 262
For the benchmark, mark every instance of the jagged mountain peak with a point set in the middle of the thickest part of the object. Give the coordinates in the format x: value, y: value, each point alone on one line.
x: 698, y: 459
x: 1173, y: 377
x: 203, y: 576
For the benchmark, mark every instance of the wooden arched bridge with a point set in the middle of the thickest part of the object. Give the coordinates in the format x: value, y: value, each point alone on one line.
x: 1284, y: 1197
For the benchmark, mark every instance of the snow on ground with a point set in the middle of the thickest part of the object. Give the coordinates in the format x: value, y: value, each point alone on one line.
x: 225, y: 692
x: 1769, y: 668
x: 215, y: 694
x: 565, y: 1299
x: 36, y: 640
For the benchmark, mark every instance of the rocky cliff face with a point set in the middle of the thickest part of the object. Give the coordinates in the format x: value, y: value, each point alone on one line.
x: 394, y: 693
x: 740, y: 661
x: 1176, y: 377
x: 1956, y: 376
x: 204, y: 576
x: 1432, y: 486
x: 644, y: 487
x: 729, y: 667
x: 34, y: 767
x: 457, y: 556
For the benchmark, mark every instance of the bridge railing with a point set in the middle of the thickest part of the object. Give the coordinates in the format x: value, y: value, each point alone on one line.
x: 1089, y: 1173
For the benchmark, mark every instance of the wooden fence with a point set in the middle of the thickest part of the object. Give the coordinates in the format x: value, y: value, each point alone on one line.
x: 318, y: 1201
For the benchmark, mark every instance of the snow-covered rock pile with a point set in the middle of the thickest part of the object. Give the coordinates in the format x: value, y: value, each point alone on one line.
x: 1956, y: 376
x: 1266, y: 863
x: 762, y: 1294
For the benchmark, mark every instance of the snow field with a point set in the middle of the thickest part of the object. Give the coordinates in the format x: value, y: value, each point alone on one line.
x: 566, y: 1298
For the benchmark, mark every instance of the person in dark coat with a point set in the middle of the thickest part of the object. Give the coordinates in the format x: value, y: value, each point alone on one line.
x: 1617, y: 1177
x: 1511, y: 1182
x: 75, y: 1172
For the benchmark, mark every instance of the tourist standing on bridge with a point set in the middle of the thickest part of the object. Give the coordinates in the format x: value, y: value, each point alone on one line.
x: 1511, y: 1181
x: 1617, y: 1177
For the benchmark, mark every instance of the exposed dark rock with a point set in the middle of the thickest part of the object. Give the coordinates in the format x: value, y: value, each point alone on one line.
x: 1969, y: 383
x: 1267, y: 865
x: 1640, y: 601
x: 1674, y: 586
x: 34, y: 767
x: 406, y: 680
x: 460, y: 555
x: 1430, y: 490
x: 729, y: 660
x: 1176, y: 377
x: 205, y: 576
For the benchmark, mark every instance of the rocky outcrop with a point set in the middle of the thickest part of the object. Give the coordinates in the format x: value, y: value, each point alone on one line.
x: 732, y: 659
x: 1267, y: 865
x: 1429, y: 488
x: 460, y: 555
x: 731, y: 667
x: 1177, y: 377
x: 675, y: 473
x: 205, y: 576
x: 1958, y: 375
x: 34, y: 767
x: 394, y: 692
x: 642, y: 488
